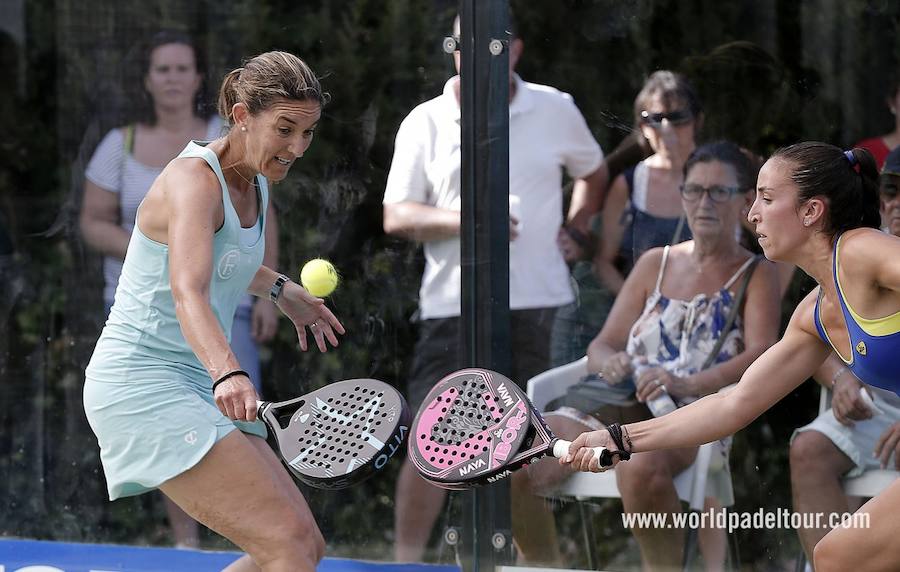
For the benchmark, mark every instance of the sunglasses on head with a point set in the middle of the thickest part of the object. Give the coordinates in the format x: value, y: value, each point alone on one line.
x: 679, y: 117
x: 717, y: 193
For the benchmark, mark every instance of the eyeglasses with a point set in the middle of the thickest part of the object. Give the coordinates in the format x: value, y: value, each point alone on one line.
x: 718, y: 193
x: 679, y: 117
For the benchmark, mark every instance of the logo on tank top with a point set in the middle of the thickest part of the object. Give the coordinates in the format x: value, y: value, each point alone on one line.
x: 861, y: 348
x: 228, y: 264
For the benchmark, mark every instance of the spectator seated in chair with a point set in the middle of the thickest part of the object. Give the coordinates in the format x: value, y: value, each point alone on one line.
x: 688, y: 322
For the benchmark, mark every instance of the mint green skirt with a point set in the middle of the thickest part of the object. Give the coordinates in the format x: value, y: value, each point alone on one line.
x: 154, y: 421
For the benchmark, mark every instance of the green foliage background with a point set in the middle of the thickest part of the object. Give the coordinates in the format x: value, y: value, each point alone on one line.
x: 769, y: 72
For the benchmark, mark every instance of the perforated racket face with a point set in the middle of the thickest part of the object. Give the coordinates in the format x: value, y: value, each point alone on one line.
x: 471, y: 423
x: 340, y: 434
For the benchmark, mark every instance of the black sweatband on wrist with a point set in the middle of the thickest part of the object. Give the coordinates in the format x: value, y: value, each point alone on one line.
x: 615, y: 432
x: 229, y: 375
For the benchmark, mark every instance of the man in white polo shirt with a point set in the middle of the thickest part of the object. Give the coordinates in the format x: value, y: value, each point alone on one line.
x: 547, y: 135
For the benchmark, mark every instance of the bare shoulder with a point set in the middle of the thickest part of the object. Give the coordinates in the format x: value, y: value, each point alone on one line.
x: 188, y: 182
x: 866, y: 248
x: 646, y: 269
x: 191, y: 174
x: 684, y: 248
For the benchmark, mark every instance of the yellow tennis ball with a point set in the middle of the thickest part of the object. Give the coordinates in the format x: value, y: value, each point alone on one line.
x: 319, y: 277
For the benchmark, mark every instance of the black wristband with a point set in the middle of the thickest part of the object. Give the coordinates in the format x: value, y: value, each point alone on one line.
x: 615, y: 431
x: 228, y: 375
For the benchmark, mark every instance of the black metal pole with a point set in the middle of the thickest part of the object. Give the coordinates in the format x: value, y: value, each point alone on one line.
x: 484, y: 103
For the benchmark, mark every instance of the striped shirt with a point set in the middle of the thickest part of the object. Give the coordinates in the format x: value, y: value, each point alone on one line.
x: 114, y: 169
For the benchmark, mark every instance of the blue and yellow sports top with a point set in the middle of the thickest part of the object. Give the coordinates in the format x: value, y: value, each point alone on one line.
x: 874, y: 344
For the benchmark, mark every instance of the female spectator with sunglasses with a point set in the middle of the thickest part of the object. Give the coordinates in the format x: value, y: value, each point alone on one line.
x: 688, y: 321
x: 643, y: 209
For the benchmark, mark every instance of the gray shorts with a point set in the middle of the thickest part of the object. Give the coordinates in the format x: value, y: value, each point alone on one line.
x: 858, y: 442
x: 438, y: 350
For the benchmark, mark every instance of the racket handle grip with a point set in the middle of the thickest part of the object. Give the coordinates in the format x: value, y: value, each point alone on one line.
x: 561, y: 449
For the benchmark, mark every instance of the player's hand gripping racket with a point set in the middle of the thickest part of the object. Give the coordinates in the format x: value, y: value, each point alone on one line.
x: 340, y: 434
x: 476, y: 427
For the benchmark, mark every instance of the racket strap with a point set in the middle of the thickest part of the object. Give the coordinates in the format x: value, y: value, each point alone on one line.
x: 615, y: 432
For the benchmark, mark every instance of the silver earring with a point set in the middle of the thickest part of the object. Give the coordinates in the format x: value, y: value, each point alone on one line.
x: 244, y: 128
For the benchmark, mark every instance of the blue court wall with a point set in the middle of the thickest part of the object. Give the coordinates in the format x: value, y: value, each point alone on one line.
x: 43, y: 556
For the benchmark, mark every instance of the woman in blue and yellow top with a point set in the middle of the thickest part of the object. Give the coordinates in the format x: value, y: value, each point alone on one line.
x: 164, y: 393
x: 817, y: 207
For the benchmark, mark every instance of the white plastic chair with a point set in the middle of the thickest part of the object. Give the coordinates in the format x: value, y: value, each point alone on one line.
x: 691, y: 484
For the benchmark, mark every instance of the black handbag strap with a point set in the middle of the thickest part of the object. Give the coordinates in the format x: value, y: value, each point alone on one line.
x: 732, y: 314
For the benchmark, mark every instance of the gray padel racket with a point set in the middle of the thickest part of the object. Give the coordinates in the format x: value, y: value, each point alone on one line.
x: 340, y: 434
x: 476, y: 427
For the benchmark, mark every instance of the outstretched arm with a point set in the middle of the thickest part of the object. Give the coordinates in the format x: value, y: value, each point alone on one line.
x: 779, y: 370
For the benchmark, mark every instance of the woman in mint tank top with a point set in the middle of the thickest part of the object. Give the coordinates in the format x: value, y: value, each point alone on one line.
x: 169, y: 110
x: 817, y: 207
x: 164, y: 392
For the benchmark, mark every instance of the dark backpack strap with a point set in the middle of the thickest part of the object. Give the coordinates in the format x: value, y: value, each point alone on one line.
x: 738, y: 299
x: 628, y: 212
x: 629, y: 179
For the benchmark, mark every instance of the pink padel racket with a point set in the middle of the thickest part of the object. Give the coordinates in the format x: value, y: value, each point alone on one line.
x: 476, y: 427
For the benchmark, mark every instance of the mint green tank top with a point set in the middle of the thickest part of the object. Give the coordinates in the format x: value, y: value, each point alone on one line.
x: 142, y: 332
